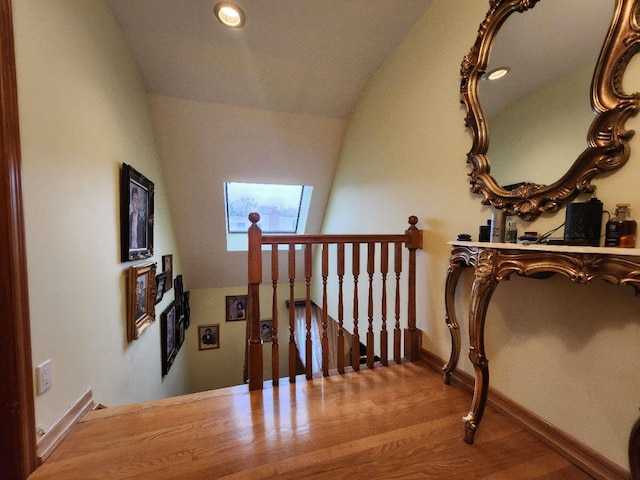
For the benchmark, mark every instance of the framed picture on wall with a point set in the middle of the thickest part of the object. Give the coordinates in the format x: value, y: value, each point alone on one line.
x: 141, y: 296
x: 208, y: 336
x: 266, y: 330
x: 167, y: 266
x: 168, y: 337
x: 236, y: 308
x: 136, y: 214
x: 161, y: 285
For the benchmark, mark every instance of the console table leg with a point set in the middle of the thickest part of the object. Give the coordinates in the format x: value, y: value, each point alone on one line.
x: 453, y: 275
x: 484, y: 285
x: 472, y: 419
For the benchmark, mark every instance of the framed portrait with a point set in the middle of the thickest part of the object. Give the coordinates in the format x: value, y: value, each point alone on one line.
x: 167, y: 266
x: 266, y: 330
x: 161, y: 284
x: 141, y: 296
x: 236, y: 308
x: 136, y: 214
x: 208, y: 336
x: 168, y: 337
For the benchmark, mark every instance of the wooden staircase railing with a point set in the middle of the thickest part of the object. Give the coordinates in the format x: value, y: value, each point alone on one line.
x: 385, y: 243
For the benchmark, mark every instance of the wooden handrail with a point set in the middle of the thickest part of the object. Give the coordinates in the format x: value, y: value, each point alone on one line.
x: 412, y: 239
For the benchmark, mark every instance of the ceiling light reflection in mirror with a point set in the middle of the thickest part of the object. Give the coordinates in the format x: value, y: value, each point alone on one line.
x: 539, y: 115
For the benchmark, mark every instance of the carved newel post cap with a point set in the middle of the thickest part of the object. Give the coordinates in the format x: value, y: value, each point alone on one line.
x: 254, y: 217
x: 413, y: 220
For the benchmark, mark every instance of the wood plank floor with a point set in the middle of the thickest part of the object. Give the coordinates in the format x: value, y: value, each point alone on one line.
x: 395, y: 422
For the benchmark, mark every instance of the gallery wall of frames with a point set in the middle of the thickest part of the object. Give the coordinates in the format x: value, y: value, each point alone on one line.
x: 146, y: 287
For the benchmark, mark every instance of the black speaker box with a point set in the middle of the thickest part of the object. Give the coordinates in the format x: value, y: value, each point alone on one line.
x: 583, y: 223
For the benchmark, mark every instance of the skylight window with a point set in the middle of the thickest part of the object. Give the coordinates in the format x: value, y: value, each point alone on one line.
x: 282, y: 209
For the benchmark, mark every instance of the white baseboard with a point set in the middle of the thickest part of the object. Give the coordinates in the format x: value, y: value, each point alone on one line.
x: 51, y: 439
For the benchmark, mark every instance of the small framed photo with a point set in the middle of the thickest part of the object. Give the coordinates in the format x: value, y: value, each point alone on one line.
x: 141, y: 295
x: 266, y: 330
x: 236, y: 308
x: 169, y: 337
x: 161, y: 284
x: 167, y: 266
x: 209, y: 336
x: 136, y: 214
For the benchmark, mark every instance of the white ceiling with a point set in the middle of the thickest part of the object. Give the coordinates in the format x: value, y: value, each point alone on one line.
x: 301, y: 56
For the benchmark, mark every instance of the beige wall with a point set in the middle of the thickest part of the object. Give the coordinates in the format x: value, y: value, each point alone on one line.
x: 567, y: 352
x: 516, y: 150
x: 84, y: 111
x: 223, y: 367
x: 203, y: 145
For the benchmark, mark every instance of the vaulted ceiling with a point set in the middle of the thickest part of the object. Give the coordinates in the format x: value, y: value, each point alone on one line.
x: 303, y: 56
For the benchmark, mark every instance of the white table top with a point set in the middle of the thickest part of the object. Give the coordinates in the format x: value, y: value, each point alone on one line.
x: 631, y: 252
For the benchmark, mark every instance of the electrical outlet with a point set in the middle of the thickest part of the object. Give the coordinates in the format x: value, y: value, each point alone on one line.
x: 43, y: 376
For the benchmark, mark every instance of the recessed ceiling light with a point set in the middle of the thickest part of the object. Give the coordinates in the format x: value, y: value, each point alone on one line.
x: 497, y: 73
x: 229, y: 14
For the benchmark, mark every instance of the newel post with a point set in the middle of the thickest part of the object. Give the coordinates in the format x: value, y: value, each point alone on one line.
x: 254, y: 346
x: 411, y: 333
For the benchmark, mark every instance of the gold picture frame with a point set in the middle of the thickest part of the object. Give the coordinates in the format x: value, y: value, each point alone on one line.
x: 141, y: 296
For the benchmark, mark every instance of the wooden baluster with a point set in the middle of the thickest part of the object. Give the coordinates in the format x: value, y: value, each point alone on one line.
x: 293, y: 352
x: 307, y: 282
x: 384, y: 335
x: 255, y: 279
x: 355, y: 344
x: 412, y: 334
x: 340, y: 359
x: 371, y: 252
x: 275, y: 352
x: 397, y: 264
x: 325, y: 336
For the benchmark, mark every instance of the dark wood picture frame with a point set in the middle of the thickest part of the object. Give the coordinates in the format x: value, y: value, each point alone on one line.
x: 169, y: 330
x: 161, y: 286
x: 236, y: 308
x: 181, y: 330
x: 186, y: 308
x: 178, y: 292
x: 141, y: 295
x: 136, y: 214
x: 208, y: 340
x: 167, y: 266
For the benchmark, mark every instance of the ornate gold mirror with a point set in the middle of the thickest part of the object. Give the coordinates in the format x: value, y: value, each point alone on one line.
x: 544, y: 100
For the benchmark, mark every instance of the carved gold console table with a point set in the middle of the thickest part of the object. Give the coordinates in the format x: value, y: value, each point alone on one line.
x: 494, y: 262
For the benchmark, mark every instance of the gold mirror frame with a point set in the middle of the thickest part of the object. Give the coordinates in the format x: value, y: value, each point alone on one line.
x: 607, y: 140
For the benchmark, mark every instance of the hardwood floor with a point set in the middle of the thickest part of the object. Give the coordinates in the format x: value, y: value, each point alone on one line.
x: 395, y: 422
